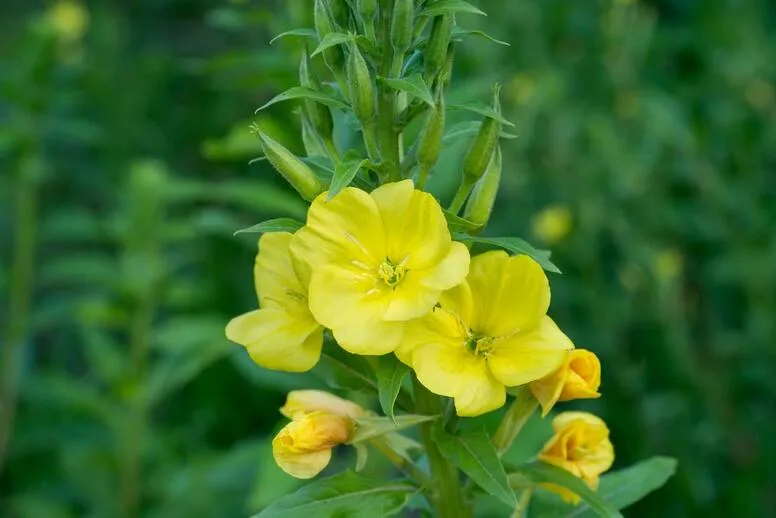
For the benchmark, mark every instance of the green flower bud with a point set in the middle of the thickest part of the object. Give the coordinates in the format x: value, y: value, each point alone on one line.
x: 480, y: 204
x: 296, y: 172
x: 362, y: 92
x: 402, y: 26
x: 318, y: 114
x: 430, y: 141
x: 340, y: 13
x: 333, y: 56
x: 435, y: 54
x: 477, y: 158
x: 367, y: 9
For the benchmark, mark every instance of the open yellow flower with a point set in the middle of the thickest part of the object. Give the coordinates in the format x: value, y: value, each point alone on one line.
x: 320, y: 421
x: 578, y: 378
x: 488, y: 333
x: 581, y: 446
x: 282, y: 334
x: 378, y: 260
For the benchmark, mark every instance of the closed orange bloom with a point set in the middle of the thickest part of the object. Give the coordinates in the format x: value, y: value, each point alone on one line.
x: 578, y: 378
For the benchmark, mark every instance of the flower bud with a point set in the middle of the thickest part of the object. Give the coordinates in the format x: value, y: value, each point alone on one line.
x: 340, y: 13
x: 303, y: 447
x: 296, y: 172
x: 435, y: 54
x: 581, y: 446
x: 319, y: 114
x: 480, y: 204
x: 367, y: 9
x: 578, y: 378
x: 362, y: 93
x: 430, y: 141
x: 402, y: 27
x: 333, y: 56
x: 478, y: 157
x: 300, y: 402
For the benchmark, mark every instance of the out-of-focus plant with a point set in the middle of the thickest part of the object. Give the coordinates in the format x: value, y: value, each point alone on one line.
x: 381, y: 290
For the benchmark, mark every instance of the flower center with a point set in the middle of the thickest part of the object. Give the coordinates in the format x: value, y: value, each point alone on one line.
x: 479, y: 345
x: 390, y: 273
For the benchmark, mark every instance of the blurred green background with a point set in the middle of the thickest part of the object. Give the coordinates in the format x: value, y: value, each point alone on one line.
x: 646, y: 160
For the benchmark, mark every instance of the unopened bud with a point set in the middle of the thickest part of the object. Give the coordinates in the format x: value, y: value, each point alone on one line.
x: 362, y: 93
x: 480, y: 204
x: 478, y: 157
x: 435, y: 54
x: 402, y: 28
x: 340, y: 13
x: 430, y: 141
x: 367, y: 9
x: 296, y: 172
x: 333, y: 56
x: 318, y: 114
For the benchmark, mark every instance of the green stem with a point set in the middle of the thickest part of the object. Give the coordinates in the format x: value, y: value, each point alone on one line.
x: 422, y: 177
x: 388, y: 137
x: 402, y: 464
x: 460, y: 196
x: 447, y: 497
x: 519, y: 412
x: 522, y: 505
x: 25, y: 232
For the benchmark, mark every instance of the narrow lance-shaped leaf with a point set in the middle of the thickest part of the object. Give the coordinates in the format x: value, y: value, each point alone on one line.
x: 370, y: 427
x: 485, y: 110
x: 299, y: 33
x: 413, y: 85
x: 299, y: 92
x: 330, y: 40
x: 459, y: 33
x: 390, y: 376
x: 441, y: 7
x: 516, y: 246
x: 273, y: 225
x: 344, y: 174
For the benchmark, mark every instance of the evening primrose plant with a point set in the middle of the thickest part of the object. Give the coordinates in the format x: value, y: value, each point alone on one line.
x: 384, y: 291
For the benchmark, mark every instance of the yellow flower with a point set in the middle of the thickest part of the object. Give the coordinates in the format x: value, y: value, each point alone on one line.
x: 578, y: 378
x: 303, y: 447
x: 300, y: 402
x: 377, y: 261
x: 282, y: 334
x: 69, y: 19
x: 552, y: 224
x: 581, y: 446
x: 489, y: 332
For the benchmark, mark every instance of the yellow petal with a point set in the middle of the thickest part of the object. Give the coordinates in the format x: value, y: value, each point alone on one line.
x: 547, y: 390
x: 277, y: 339
x: 276, y: 281
x: 526, y: 357
x: 450, y: 271
x: 580, y: 445
x: 346, y: 229
x: 510, y: 293
x: 415, y: 226
x: 441, y: 325
x: 302, y: 465
x: 411, y: 298
x: 450, y: 370
x: 583, y: 377
x: 303, y: 447
x: 563, y: 420
x: 301, y: 402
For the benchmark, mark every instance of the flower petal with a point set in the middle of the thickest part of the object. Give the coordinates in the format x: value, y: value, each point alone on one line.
x: 454, y: 372
x: 277, y: 339
x: 301, y: 402
x: 411, y: 298
x: 274, y: 274
x: 303, y: 465
x: 450, y: 271
x: 526, y: 357
x: 511, y: 293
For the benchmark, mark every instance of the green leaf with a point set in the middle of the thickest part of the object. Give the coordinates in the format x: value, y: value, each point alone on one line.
x: 458, y: 224
x: 515, y: 245
x: 484, y: 110
x: 344, y: 173
x: 330, y: 40
x: 459, y: 33
x: 627, y: 486
x: 390, y: 376
x: 466, y: 128
x: 370, y: 427
x: 475, y: 455
x: 449, y: 7
x: 346, y: 494
x: 299, y: 33
x: 300, y: 92
x: 273, y: 225
x: 413, y: 85
x: 539, y: 472
x: 362, y: 455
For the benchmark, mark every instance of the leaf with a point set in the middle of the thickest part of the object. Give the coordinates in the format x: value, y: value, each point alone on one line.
x: 390, y: 376
x: 273, y: 225
x: 300, y: 92
x: 449, y: 7
x: 515, y: 245
x: 344, y: 173
x: 465, y: 128
x: 483, y: 109
x: 300, y: 33
x: 413, y: 85
x: 627, y: 486
x: 540, y: 472
x: 330, y: 40
x: 458, y: 224
x: 475, y: 455
x: 370, y: 427
x: 462, y: 33
x: 346, y: 494
x: 362, y: 455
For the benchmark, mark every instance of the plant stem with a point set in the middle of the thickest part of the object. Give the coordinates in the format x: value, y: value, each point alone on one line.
x: 422, y: 177
x: 25, y: 231
x: 447, y: 497
x: 522, y: 506
x: 460, y: 196
x: 404, y: 465
x: 388, y: 137
x: 519, y: 412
